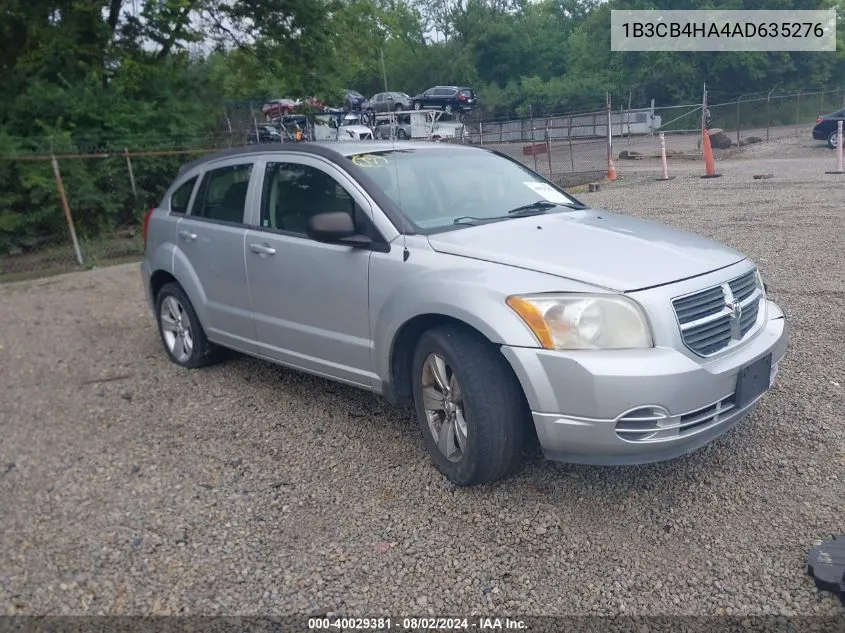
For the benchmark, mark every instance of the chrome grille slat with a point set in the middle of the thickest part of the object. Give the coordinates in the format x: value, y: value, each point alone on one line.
x: 698, y: 306
x: 704, y: 310
x: 744, y: 287
x: 708, y: 318
x: 721, y: 326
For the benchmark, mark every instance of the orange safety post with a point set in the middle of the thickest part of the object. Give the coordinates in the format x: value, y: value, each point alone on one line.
x: 709, y: 163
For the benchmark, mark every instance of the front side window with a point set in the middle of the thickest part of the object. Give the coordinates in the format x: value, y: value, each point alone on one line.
x: 434, y: 187
x: 294, y: 193
x: 222, y: 195
x: 182, y: 196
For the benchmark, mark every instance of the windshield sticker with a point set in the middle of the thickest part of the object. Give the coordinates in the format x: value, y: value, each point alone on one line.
x: 547, y: 192
x: 369, y: 160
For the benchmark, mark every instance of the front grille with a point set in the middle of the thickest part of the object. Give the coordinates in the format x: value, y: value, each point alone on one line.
x: 717, y: 317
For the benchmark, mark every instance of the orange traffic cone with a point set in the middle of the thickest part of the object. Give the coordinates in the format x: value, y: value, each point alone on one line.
x: 709, y: 163
x: 611, y: 169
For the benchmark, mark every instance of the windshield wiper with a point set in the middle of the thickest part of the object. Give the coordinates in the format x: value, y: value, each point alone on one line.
x: 535, y: 208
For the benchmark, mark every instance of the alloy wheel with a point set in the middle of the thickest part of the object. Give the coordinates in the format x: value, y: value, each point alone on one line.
x: 176, y: 329
x: 444, y: 407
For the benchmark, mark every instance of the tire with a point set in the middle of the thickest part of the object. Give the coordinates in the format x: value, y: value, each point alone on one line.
x: 447, y: 108
x: 401, y: 135
x: 832, y: 140
x: 397, y: 107
x: 202, y: 351
x: 492, y: 406
x: 417, y: 105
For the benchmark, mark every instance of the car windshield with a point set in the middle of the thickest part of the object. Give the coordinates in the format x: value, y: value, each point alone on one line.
x: 435, y: 188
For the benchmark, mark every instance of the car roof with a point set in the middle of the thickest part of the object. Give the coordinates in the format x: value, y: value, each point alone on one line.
x: 327, y: 149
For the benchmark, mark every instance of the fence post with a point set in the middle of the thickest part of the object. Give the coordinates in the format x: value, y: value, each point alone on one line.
x: 481, y: 132
x: 768, y: 97
x: 548, y: 149
x: 651, y: 122
x: 737, y: 118
x: 798, y: 112
x: 131, y: 174
x: 569, y: 136
x: 66, y: 207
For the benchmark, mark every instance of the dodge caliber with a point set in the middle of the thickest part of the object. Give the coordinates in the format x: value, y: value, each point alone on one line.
x: 456, y: 282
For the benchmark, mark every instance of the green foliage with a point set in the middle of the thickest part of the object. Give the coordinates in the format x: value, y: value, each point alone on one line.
x: 104, y: 75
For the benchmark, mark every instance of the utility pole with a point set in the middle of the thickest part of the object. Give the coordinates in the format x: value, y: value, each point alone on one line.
x: 383, y: 69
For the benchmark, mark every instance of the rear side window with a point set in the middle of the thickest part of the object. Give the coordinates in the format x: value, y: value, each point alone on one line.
x: 467, y: 93
x: 182, y: 196
x: 222, y: 194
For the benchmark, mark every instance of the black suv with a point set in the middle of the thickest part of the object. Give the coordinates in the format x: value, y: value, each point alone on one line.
x: 448, y: 98
x: 826, y: 126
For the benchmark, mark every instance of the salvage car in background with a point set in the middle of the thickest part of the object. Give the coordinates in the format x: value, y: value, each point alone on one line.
x: 447, y: 98
x: 827, y: 126
x: 387, y: 101
x: 455, y: 281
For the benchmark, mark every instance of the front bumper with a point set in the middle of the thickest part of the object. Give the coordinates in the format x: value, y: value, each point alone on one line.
x: 584, y: 403
x: 820, y: 135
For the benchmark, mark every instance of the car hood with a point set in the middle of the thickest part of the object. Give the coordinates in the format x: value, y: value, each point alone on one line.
x: 591, y: 246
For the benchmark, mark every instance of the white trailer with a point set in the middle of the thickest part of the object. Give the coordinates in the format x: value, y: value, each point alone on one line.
x: 349, y: 127
x: 417, y: 124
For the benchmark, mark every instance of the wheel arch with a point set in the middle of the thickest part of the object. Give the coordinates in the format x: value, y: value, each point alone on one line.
x: 399, y: 389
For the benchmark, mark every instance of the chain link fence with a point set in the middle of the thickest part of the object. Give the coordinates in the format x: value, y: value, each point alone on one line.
x: 62, y: 210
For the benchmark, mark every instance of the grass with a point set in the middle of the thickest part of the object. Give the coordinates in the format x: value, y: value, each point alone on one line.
x: 61, y: 258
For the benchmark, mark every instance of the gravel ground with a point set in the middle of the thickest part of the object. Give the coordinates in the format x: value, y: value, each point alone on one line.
x: 249, y: 489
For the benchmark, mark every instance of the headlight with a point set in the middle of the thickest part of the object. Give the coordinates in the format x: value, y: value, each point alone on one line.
x: 580, y: 321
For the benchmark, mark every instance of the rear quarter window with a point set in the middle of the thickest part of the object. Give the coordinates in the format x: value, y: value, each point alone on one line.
x: 182, y: 196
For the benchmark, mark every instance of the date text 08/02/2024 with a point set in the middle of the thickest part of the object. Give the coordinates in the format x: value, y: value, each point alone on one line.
x: 414, y: 624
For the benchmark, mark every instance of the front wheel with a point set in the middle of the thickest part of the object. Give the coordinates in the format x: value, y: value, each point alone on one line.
x: 470, y: 406
x: 417, y: 105
x: 832, y: 140
x: 401, y: 135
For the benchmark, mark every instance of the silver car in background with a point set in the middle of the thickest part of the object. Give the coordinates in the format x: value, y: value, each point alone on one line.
x: 389, y: 102
x: 453, y: 280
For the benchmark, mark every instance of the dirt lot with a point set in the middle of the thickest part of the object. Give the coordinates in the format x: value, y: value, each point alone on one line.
x: 250, y: 489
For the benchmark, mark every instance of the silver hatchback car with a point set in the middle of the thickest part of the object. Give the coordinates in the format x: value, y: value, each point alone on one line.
x: 454, y: 281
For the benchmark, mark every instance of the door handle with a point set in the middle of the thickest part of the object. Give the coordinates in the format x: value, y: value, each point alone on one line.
x: 262, y: 250
x: 187, y: 236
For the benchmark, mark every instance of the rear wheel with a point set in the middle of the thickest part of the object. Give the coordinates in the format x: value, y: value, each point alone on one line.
x: 397, y: 107
x: 832, y: 140
x: 181, y: 332
x: 448, y: 108
x: 401, y: 135
x: 417, y: 105
x: 469, y: 405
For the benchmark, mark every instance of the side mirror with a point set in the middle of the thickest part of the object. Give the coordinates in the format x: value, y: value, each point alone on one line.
x: 336, y: 227
x: 331, y: 227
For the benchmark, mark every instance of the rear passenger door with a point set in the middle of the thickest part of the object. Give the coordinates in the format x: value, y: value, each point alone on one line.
x: 310, y: 299
x: 210, y: 257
